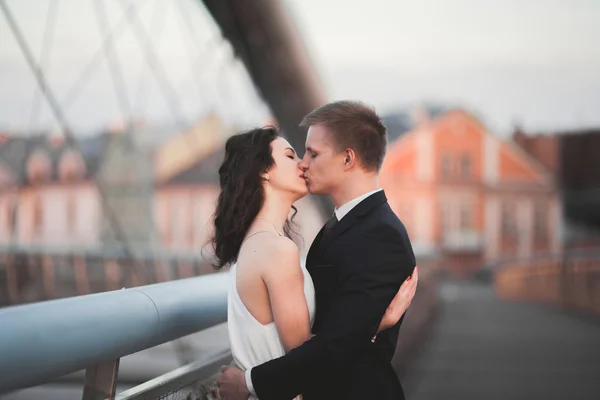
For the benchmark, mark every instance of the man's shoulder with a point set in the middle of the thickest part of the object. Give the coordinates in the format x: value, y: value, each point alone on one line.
x: 383, y: 221
x: 387, y: 230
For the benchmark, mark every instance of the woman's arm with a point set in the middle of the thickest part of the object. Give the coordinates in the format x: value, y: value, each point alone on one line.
x: 400, y: 303
x: 284, y: 280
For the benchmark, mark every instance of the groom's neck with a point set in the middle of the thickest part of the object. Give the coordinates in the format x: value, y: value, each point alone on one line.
x: 354, y: 187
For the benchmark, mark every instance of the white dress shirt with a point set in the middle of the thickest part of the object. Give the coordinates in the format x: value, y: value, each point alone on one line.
x: 339, y: 213
x: 347, y: 207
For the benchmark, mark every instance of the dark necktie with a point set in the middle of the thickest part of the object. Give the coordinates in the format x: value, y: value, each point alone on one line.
x: 329, y: 226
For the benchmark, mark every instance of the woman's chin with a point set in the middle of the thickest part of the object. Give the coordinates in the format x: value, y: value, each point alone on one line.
x: 301, y: 193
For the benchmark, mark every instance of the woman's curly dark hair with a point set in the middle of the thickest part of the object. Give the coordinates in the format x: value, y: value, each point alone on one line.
x: 247, y: 157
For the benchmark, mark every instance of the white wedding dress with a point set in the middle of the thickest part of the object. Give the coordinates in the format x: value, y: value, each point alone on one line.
x: 253, y: 343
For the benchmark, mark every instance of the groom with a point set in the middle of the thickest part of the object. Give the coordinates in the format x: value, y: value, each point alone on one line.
x: 357, y: 262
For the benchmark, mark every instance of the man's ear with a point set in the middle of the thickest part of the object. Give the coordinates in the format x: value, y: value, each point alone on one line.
x: 349, y: 158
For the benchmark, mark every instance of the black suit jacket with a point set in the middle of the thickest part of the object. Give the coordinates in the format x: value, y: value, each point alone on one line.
x: 356, y: 271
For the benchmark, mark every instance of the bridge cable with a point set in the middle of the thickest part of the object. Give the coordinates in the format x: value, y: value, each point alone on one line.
x: 98, y: 57
x: 141, y: 93
x: 45, y: 52
x: 171, y: 97
x: 116, y: 73
x: 193, y: 45
x: 59, y: 115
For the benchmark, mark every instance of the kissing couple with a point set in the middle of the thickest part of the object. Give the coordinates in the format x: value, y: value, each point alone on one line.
x: 327, y: 329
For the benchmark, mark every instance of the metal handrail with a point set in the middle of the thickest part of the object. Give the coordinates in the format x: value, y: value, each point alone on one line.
x: 177, y: 379
x: 42, y: 341
x: 568, y: 280
x: 570, y: 254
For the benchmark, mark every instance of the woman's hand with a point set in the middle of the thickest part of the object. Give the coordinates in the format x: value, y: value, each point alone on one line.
x: 400, y: 302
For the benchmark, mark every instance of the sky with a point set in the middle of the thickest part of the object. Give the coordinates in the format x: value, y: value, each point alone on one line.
x: 531, y: 62
x: 196, y: 72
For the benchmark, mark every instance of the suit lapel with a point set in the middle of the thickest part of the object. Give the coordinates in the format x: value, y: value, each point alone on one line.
x: 360, y: 210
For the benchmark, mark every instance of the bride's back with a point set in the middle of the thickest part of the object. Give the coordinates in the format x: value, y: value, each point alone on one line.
x: 253, y: 264
x: 253, y: 333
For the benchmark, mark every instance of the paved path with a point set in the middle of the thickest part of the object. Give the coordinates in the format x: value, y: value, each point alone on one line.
x: 484, y: 349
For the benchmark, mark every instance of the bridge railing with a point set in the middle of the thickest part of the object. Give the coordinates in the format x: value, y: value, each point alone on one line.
x: 43, y: 341
x: 570, y: 280
x: 30, y: 273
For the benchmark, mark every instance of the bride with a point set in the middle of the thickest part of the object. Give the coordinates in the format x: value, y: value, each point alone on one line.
x: 271, y: 299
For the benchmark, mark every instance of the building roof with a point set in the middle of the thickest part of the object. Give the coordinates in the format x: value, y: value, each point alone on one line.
x: 190, y: 157
x: 13, y: 153
x: 203, y: 171
x: 16, y: 150
x: 458, y: 120
x: 183, y: 152
x: 403, y: 120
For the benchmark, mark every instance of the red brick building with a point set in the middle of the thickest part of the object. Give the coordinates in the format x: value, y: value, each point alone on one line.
x: 472, y: 196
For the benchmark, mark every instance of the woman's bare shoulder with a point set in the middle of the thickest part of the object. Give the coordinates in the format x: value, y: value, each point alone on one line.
x: 272, y: 253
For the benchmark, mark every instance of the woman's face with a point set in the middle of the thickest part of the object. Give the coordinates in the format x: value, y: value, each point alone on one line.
x: 285, y: 175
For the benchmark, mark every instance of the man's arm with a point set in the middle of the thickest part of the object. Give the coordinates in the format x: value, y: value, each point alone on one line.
x: 235, y: 384
x: 368, y: 287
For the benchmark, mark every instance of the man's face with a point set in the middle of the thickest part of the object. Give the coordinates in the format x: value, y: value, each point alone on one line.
x: 323, y: 166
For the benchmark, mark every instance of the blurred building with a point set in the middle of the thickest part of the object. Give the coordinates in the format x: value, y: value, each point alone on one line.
x: 471, y: 196
x: 403, y: 120
x: 100, y: 193
x: 114, y: 196
x: 572, y: 156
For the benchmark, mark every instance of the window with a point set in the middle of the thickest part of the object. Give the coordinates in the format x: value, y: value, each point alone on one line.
x: 408, y: 215
x: 191, y: 234
x: 177, y: 222
x: 38, y: 216
x: 445, y: 217
x: 191, y: 221
x: 167, y: 223
x: 446, y: 166
x: 465, y: 166
x: 4, y: 218
x: 465, y: 217
x: 508, y: 220
x: 71, y: 214
x: 540, y: 220
x: 12, y: 216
